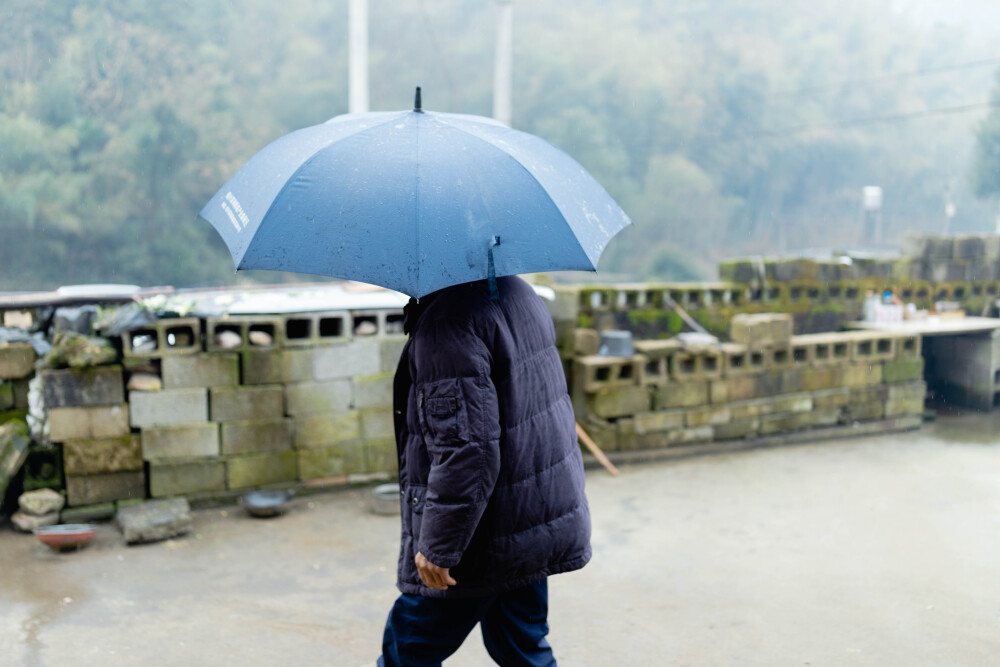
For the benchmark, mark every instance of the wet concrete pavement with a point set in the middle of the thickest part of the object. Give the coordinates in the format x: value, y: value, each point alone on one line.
x: 875, y: 551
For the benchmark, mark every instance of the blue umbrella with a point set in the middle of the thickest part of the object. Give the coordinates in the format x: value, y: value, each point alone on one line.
x: 414, y: 201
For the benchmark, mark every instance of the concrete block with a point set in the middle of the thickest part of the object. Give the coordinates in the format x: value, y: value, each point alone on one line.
x: 250, y: 437
x: 655, y: 371
x: 796, y: 403
x: 264, y: 402
x: 216, y: 369
x: 662, y: 420
x: 170, y: 407
x: 373, y: 390
x: 105, y: 487
x: 832, y: 398
x: 86, y: 457
x: 735, y: 430
x: 603, y: 433
x: 324, y: 430
x: 687, y: 436
x: 97, y: 422
x: 611, y: 402
x: 256, y: 332
x: 791, y: 380
x: 768, y: 384
x: 173, y: 442
x: 346, y: 360
x: 101, y: 385
x: 390, y: 349
x: 707, y: 416
x: 17, y: 360
x: 862, y: 374
x: 681, y: 395
x: 6, y: 396
x: 163, y: 338
x: 735, y: 360
x: 297, y: 365
x: 262, y: 367
x: 866, y: 347
x: 254, y: 470
x: 377, y: 423
x: 180, y: 478
x: 21, y: 389
x: 821, y: 378
x: 597, y: 372
x: 761, y: 330
x: 337, y: 461
x: 778, y: 357
x: 586, y: 342
x: 866, y: 403
x: 380, y: 455
x: 87, y: 513
x: 306, y: 398
x: 908, y: 347
x: 154, y: 520
x: 903, y: 370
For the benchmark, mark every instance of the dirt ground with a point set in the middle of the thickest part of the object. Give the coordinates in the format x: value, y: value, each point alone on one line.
x: 877, y: 551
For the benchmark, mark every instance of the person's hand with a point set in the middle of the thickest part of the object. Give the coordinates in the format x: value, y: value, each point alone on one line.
x: 433, y: 576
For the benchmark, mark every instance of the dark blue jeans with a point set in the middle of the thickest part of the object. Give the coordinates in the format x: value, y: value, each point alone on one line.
x: 422, y: 632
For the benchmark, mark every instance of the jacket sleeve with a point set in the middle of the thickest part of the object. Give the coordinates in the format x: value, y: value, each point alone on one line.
x: 459, y: 420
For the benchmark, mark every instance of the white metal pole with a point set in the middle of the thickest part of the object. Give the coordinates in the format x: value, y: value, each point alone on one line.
x: 504, y: 63
x: 357, y: 89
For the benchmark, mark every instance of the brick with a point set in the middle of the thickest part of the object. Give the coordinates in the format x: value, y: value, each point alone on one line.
x: 305, y: 398
x: 377, y: 424
x: 217, y: 369
x: 17, y: 360
x: 248, y: 437
x: 610, y: 402
x: 903, y: 370
x: 337, y: 461
x: 325, y: 430
x: 170, y: 407
x: 709, y: 416
x: 186, y: 477
x: 681, y: 395
x: 390, y: 349
x: 245, y: 403
x: 380, y: 455
x: 175, y: 442
x: 85, y: 457
x: 106, y: 487
x: 260, y: 469
x: 663, y: 420
x: 373, y: 390
x: 104, y: 421
x: 102, y: 385
x: 345, y: 360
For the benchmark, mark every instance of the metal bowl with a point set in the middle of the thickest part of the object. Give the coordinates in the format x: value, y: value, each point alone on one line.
x: 385, y: 499
x: 266, y: 503
x: 66, y: 535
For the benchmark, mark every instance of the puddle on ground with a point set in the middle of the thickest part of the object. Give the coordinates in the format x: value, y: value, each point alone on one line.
x: 963, y: 425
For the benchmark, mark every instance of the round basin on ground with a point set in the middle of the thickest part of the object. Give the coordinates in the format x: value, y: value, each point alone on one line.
x: 266, y: 503
x: 66, y: 535
x: 385, y: 499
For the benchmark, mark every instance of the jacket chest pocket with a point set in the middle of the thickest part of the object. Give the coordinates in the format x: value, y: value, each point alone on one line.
x: 442, y: 412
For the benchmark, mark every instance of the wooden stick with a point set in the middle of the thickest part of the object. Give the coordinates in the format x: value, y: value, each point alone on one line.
x: 595, y: 450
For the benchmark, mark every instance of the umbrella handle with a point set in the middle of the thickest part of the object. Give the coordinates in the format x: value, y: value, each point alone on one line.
x: 492, y: 272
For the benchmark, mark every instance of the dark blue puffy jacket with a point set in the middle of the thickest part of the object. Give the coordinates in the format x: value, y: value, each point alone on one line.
x: 490, y: 470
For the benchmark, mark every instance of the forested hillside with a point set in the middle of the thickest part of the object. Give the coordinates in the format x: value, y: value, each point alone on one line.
x: 721, y: 127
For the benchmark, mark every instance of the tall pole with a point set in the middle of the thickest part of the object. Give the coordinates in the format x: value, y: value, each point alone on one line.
x: 503, y: 69
x: 357, y: 83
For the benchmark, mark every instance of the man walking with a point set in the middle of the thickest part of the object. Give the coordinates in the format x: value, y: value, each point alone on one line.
x: 490, y: 475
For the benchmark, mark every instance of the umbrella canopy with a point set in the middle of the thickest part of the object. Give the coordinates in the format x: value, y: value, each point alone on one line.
x: 414, y: 201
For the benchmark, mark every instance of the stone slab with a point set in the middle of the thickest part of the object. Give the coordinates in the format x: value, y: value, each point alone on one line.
x: 173, y: 442
x: 154, y: 520
x: 169, y: 478
x: 170, y: 407
x: 87, y: 513
x: 101, y: 421
x: 213, y: 369
x: 255, y: 436
x: 102, y: 385
x: 265, y: 402
x: 93, y: 489
x: 87, y: 457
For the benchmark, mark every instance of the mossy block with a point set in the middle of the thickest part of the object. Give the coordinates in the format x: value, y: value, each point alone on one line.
x: 17, y: 360
x: 737, y: 271
x: 86, y: 457
x: 181, y: 478
x: 736, y: 430
x: 769, y: 383
x: 6, y: 396
x: 863, y: 374
x: 819, y: 378
x: 707, y: 416
x: 261, y: 469
x: 377, y: 423
x: 603, y: 433
x: 373, y: 390
x: 688, y: 393
x: 337, y: 461
x: 611, y: 402
x: 325, y: 430
x: 832, y: 398
x: 380, y: 455
x: 88, y: 513
x: 661, y: 420
x: 902, y: 370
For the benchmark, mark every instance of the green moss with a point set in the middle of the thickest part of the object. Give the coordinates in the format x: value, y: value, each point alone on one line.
x: 584, y: 321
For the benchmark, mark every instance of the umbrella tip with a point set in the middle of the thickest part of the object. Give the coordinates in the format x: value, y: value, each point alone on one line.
x: 417, y: 106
